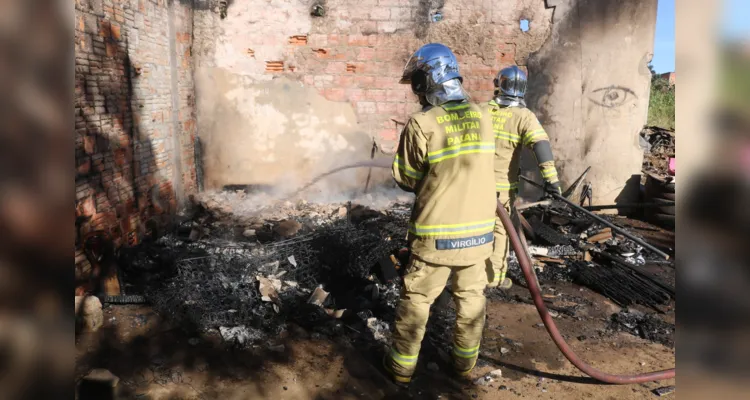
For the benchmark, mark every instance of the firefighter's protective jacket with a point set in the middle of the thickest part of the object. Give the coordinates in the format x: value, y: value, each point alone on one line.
x: 515, y: 127
x: 445, y: 156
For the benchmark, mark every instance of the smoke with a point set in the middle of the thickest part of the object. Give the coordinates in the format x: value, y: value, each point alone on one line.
x: 272, y: 202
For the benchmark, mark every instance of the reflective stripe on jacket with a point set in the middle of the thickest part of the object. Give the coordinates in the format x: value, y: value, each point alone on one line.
x: 445, y: 156
x: 514, y: 128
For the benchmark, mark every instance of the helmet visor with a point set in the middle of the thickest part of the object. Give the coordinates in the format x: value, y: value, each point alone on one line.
x: 411, y: 66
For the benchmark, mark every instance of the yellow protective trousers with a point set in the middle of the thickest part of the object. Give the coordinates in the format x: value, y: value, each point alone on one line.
x: 423, y: 283
x: 497, y: 265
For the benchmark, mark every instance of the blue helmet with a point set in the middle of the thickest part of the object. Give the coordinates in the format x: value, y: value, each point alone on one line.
x: 433, y: 72
x: 511, y: 81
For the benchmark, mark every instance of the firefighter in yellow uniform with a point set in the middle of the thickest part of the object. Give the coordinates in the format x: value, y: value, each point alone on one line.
x: 446, y: 157
x: 514, y: 126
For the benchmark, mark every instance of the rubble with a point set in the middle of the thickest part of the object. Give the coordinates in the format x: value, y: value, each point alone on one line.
x: 380, y: 330
x: 483, y: 380
x: 318, y: 297
x: 239, y: 334
x: 334, y: 269
x: 593, y: 257
x: 249, y: 233
x: 269, y: 289
x: 659, y: 150
x: 664, y: 390
x: 489, y: 378
x: 645, y: 326
x: 250, y: 290
x: 287, y: 229
x: 601, y: 236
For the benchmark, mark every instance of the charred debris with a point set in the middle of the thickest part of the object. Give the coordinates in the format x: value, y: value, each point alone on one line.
x: 335, y: 269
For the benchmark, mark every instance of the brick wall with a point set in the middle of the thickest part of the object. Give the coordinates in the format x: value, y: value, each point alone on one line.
x: 356, y: 52
x: 669, y: 76
x: 136, y: 100
x: 130, y: 140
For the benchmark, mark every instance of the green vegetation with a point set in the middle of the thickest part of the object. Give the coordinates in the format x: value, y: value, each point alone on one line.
x: 734, y: 90
x: 661, y: 103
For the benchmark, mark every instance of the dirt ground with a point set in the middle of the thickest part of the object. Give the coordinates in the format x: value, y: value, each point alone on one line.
x: 155, y: 360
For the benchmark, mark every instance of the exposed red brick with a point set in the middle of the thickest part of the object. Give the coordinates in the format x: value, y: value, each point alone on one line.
x: 396, y: 95
x: 335, y: 94
x: 111, y: 49
x: 274, y: 66
x: 88, y: 206
x: 84, y: 167
x: 321, y: 52
x: 366, y: 54
x: 121, y: 157
x: 105, y: 29
x: 333, y: 39
x: 355, y: 95
x: 385, y: 82
x: 335, y: 68
x: 376, y: 95
x: 183, y: 37
x: 351, y: 68
x: 365, y: 81
x: 250, y: 52
x: 344, y: 81
x: 89, y: 143
x: 357, y: 40
x: 115, y: 31
x: 298, y: 40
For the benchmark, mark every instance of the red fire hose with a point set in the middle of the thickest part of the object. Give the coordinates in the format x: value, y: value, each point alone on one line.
x: 528, y: 273
x: 550, y: 324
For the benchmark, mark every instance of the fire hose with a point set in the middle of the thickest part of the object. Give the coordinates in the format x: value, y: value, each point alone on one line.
x: 549, y: 323
x: 551, y: 327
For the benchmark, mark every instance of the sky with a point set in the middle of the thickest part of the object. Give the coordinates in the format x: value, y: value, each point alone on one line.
x: 663, y: 60
x: 735, y: 16
x: 736, y: 19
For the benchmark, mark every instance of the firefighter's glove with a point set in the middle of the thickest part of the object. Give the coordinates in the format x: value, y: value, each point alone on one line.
x: 553, y: 188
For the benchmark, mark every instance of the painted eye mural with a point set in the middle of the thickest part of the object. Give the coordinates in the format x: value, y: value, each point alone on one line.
x: 611, y: 96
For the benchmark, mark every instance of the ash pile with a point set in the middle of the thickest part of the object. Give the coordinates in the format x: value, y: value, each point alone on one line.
x: 567, y: 245
x: 246, y: 272
x: 250, y: 273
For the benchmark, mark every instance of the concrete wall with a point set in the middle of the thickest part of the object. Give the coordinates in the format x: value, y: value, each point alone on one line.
x: 348, y: 63
x: 134, y: 118
x: 590, y: 88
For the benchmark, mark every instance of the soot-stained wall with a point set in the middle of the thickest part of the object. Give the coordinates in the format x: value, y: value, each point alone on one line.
x: 134, y: 119
x: 589, y: 85
x: 277, y: 94
x: 281, y: 92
